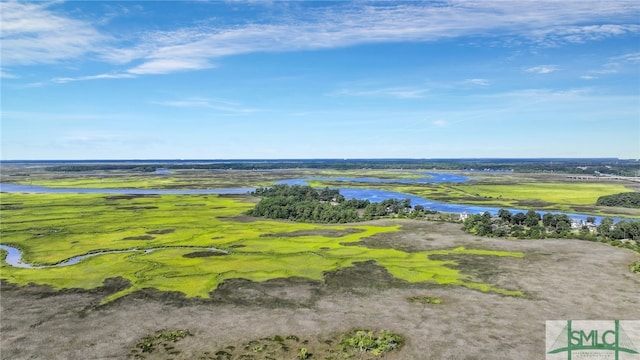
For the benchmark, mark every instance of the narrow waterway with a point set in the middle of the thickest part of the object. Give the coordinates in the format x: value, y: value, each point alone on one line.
x: 14, y: 255
x: 373, y: 195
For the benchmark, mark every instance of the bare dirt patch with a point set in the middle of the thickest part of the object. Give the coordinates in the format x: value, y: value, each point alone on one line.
x: 161, y: 232
x: 141, y: 237
x: 134, y: 208
x: 562, y: 279
x: 318, y: 232
x: 129, y: 196
x: 206, y: 253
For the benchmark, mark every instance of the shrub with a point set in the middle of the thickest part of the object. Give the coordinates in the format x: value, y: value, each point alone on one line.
x: 367, y: 341
x: 425, y: 299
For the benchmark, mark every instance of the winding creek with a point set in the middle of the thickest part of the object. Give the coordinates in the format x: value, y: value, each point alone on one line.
x: 14, y: 255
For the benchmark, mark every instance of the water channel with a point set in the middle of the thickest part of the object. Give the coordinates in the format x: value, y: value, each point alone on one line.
x: 14, y: 255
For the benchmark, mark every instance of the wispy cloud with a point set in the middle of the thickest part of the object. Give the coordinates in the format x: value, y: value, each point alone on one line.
x: 476, y: 82
x: 67, y: 116
x: 440, y: 123
x: 104, y: 142
x: 63, y: 80
x: 558, y: 35
x: 614, y: 65
x: 213, y: 104
x: 633, y: 58
x: 168, y: 65
x: 35, y: 34
x: 543, y: 69
x: 388, y: 92
x: 542, y: 93
x: 7, y: 75
x: 93, y: 137
x: 345, y: 26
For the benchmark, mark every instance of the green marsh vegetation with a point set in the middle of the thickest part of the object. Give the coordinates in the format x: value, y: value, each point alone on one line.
x: 188, y: 179
x: 543, y: 192
x: 198, y: 242
x: 368, y: 341
x: 178, y: 179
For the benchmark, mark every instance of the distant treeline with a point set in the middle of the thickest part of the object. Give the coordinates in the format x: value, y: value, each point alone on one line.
x: 306, y: 204
x: 79, y: 168
x: 573, y: 166
x: 626, y: 199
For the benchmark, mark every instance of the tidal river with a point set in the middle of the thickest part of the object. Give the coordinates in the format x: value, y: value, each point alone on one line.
x: 14, y: 256
x: 373, y: 195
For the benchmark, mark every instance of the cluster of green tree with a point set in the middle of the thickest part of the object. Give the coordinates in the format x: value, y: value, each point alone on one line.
x: 620, y: 230
x: 626, y: 199
x: 306, y: 204
x: 574, y: 166
x: 533, y: 226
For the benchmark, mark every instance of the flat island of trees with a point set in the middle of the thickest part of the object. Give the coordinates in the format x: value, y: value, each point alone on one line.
x: 306, y: 204
x: 626, y: 199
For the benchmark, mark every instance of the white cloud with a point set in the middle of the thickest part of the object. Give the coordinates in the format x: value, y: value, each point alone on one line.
x: 477, y: 82
x: 63, y: 80
x: 340, y: 26
x: 633, y: 58
x: 534, y: 96
x: 214, y: 104
x: 439, y: 123
x: 169, y: 65
x: 558, y: 35
x: 7, y: 75
x: 35, y: 34
x: 542, y: 69
x: 390, y: 92
x: 67, y: 116
x: 615, y: 65
x: 91, y: 137
x: 32, y: 34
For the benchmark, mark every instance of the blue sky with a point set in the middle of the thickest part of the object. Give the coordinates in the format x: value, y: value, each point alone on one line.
x: 330, y: 79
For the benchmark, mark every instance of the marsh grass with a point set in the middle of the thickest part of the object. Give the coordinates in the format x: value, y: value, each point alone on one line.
x: 50, y: 228
x: 196, y: 179
x: 178, y: 179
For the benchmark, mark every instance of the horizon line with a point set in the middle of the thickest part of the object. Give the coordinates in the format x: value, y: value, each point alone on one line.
x: 319, y: 159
